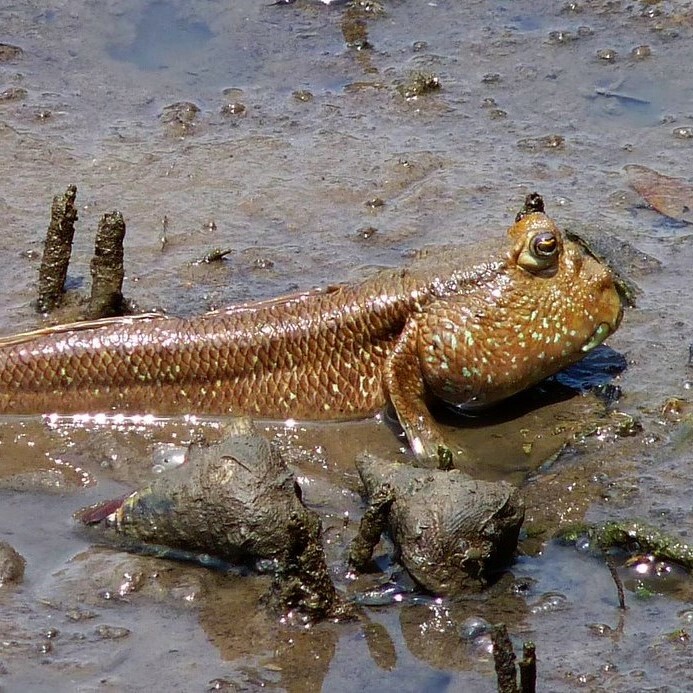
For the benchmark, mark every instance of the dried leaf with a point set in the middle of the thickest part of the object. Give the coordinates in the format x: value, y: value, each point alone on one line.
x: 672, y: 197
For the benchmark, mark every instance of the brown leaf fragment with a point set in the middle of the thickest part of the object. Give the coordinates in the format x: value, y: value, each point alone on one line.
x: 672, y: 197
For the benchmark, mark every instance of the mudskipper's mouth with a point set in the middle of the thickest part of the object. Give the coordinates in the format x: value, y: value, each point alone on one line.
x: 599, y: 335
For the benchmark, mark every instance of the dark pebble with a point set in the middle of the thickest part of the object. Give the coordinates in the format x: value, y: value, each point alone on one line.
x: 9, y: 52
x: 13, y: 94
x: 11, y: 565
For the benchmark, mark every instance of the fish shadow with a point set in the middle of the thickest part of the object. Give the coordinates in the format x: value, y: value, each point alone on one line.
x: 594, y: 374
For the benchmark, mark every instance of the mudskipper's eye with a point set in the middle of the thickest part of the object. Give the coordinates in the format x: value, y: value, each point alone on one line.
x: 545, y: 245
x: 540, y: 249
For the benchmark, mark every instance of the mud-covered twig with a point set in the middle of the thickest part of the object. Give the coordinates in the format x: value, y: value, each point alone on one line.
x: 504, y: 660
x: 617, y: 580
x: 302, y: 580
x: 213, y: 256
x: 373, y: 524
x: 107, y: 270
x: 163, y: 236
x: 632, y: 536
x: 528, y: 668
x: 57, y: 250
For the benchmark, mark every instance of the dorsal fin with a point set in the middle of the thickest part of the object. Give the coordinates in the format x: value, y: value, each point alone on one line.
x: 23, y: 337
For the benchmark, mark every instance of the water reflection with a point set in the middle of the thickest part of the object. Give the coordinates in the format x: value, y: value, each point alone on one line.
x: 162, y: 38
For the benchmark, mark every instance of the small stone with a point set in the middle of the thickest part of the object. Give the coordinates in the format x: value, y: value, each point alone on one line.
x: 683, y: 133
x: 558, y: 37
x: 419, y: 46
x: 419, y: 83
x: 112, y: 632
x: 491, y: 78
x: 549, y: 602
x: 181, y: 111
x: 673, y: 408
x: 375, y: 202
x: 601, y: 629
x: 232, y: 93
x: 641, y: 52
x: 532, y: 144
x: 12, y: 564
x: 78, y: 615
x: 303, y: 95
x: 473, y: 627
x: 497, y: 114
x: 235, y: 108
x: 180, y: 118
x: 263, y: 263
x: 608, y: 55
x: 366, y: 232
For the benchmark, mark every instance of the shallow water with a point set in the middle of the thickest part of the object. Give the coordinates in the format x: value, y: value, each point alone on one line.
x: 296, y: 133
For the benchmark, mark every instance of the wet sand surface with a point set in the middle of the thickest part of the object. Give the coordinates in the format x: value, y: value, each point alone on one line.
x: 279, y: 132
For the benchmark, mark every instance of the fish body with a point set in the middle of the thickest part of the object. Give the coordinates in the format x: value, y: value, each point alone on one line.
x: 470, y: 326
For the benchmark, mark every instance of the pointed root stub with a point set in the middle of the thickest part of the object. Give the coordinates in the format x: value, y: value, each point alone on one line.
x: 57, y: 250
x: 107, y: 269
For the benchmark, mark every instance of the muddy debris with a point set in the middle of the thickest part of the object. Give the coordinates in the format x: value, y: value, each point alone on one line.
x: 214, y: 255
x: 542, y: 143
x: 180, y: 119
x: 672, y: 197
x: 10, y: 53
x: 633, y: 537
x: 12, y: 565
x: 233, y: 502
x: 13, y: 94
x: 233, y: 109
x: 451, y: 531
x: 373, y: 524
x: 355, y: 29
x: 418, y: 84
x: 53, y: 481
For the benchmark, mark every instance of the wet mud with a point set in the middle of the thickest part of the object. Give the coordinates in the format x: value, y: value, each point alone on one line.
x: 279, y: 132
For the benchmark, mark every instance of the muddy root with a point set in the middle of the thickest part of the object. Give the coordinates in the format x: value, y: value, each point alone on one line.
x: 107, y: 271
x: 57, y: 250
